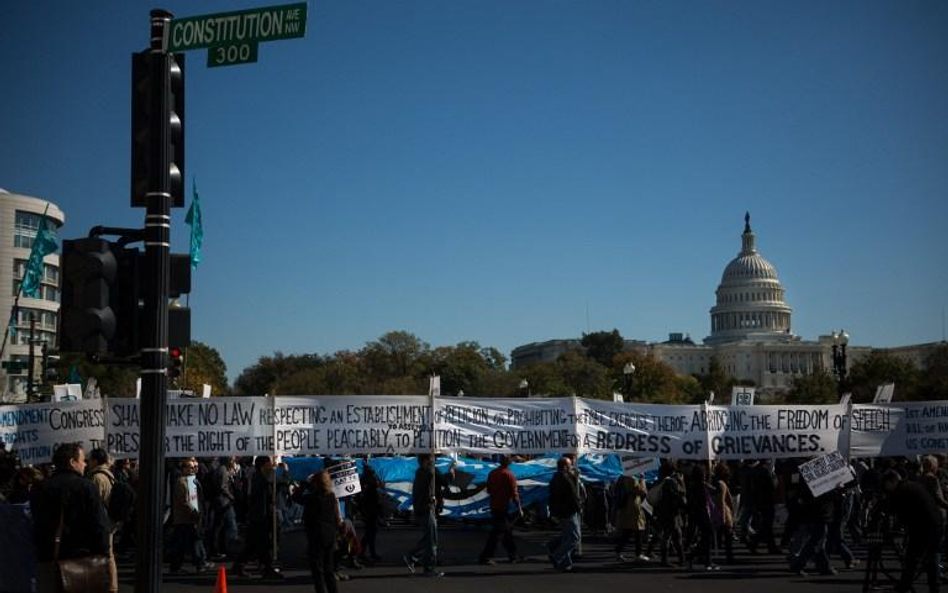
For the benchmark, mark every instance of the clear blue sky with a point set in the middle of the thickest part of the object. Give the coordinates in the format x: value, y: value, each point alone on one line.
x: 493, y: 170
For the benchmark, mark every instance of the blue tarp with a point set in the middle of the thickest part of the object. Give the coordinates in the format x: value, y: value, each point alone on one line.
x: 533, y: 477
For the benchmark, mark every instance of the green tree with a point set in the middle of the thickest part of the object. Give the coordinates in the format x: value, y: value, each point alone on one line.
x: 881, y: 367
x: 584, y: 377
x: 112, y: 380
x: 603, y: 346
x: 934, y: 378
x: 203, y: 365
x: 815, y: 388
x: 653, y: 380
x: 716, y: 380
x: 263, y: 376
x: 395, y: 355
x: 461, y: 368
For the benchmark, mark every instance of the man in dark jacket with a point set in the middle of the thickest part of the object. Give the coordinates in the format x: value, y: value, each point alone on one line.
x: 565, y: 506
x: 69, y: 495
x: 427, y: 500
x: 219, y: 489
x: 260, y: 529
x: 922, y: 520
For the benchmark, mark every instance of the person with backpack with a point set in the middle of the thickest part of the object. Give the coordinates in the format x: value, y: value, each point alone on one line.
x: 98, y: 467
x: 668, y: 500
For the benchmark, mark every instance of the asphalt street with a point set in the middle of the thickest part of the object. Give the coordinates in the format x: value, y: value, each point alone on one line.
x: 460, y: 546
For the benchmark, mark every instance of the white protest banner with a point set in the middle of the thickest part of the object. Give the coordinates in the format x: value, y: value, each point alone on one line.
x: 345, y: 479
x: 34, y: 431
x: 352, y: 425
x: 742, y: 396
x: 825, y: 473
x: 515, y: 425
x: 646, y: 430
x: 884, y: 393
x: 905, y: 428
x: 196, y: 427
x: 754, y: 432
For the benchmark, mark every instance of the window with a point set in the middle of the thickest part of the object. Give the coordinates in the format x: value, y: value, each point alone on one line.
x: 26, y: 226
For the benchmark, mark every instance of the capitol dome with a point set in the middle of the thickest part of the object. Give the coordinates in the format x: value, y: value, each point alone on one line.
x: 750, y: 299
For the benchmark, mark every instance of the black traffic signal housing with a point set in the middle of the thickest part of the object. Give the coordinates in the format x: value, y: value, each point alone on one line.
x: 88, y: 322
x: 102, y: 294
x: 157, y: 111
x: 176, y: 362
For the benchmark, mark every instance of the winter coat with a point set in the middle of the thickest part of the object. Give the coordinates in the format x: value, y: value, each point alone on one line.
x: 629, y: 496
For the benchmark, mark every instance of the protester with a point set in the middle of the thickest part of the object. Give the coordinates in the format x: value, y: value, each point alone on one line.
x: 920, y: 515
x: 427, y: 499
x: 369, y: 503
x: 724, y: 517
x: 669, y: 503
x: 762, y: 485
x: 222, y: 525
x: 323, y: 522
x: 629, y: 493
x: 98, y: 467
x: 187, y: 519
x: 700, y: 500
x: 565, y: 505
x: 816, y: 513
x: 70, y: 502
x: 260, y: 525
x: 502, y: 488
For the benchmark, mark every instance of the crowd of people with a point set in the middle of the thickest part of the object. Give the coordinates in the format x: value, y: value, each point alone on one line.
x: 698, y: 514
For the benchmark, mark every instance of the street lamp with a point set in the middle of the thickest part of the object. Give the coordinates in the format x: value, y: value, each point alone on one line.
x: 840, y: 340
x: 524, y: 388
x: 627, y: 371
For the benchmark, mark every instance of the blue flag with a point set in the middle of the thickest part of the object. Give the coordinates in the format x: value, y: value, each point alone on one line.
x: 44, y: 244
x: 194, y: 220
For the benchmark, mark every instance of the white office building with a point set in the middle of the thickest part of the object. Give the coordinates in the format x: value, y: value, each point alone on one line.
x: 20, y: 218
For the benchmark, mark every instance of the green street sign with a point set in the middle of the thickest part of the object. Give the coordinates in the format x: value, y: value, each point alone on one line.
x: 241, y: 30
x: 229, y: 55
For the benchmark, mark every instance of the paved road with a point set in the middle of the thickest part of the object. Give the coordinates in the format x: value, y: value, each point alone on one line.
x: 460, y: 546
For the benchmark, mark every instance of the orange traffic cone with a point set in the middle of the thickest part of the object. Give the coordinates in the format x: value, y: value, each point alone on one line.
x: 221, y: 585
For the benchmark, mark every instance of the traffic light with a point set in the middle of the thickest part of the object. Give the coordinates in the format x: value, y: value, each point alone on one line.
x: 177, y: 361
x: 89, y: 278
x: 157, y: 112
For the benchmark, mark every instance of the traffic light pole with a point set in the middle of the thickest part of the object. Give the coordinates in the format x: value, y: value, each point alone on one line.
x: 155, y: 291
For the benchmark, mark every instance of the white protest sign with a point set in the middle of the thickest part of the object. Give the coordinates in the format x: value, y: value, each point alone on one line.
x: 633, y: 466
x: 742, y: 396
x: 67, y: 393
x: 34, y: 431
x: 515, y: 425
x: 905, y: 428
x: 434, y: 386
x: 205, y: 390
x: 345, y: 479
x: 353, y: 425
x: 825, y: 473
x: 884, y: 393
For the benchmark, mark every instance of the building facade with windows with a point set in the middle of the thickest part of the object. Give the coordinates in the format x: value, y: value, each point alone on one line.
x: 751, y: 332
x: 20, y: 218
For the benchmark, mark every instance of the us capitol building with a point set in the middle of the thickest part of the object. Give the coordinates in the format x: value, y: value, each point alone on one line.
x: 750, y: 332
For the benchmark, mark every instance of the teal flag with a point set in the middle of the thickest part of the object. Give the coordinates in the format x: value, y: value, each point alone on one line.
x: 194, y: 220
x: 44, y: 244
x: 74, y: 377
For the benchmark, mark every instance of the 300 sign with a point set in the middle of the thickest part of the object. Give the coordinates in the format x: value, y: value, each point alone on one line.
x: 228, y: 55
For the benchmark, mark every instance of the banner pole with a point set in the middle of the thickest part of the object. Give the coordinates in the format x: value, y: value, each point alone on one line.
x: 273, y: 399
